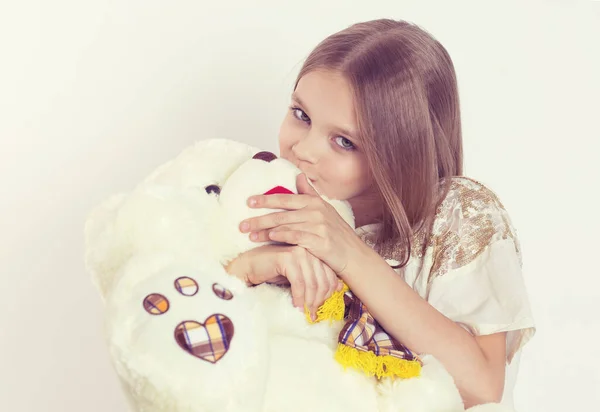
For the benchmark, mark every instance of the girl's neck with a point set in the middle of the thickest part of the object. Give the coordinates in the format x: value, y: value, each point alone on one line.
x: 367, y: 210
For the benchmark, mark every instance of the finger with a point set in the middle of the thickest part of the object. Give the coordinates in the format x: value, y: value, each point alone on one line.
x: 271, y: 220
x: 322, y: 287
x: 304, y: 186
x: 279, y: 201
x: 293, y: 273
x: 279, y: 281
x: 307, y: 240
x: 310, y: 284
x: 263, y: 235
x: 333, y: 281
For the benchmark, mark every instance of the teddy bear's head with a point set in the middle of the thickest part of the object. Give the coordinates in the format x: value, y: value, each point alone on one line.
x: 189, y: 206
x: 264, y: 174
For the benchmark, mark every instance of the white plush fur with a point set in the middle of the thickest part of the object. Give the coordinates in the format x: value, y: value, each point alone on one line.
x: 167, y: 227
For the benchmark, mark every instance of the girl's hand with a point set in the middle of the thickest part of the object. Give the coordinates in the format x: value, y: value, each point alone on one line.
x: 311, y: 280
x: 307, y: 221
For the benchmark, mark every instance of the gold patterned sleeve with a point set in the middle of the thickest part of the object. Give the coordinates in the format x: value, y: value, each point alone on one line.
x: 475, y: 277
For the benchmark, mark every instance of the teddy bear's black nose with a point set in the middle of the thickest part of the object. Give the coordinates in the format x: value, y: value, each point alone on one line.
x: 265, y: 156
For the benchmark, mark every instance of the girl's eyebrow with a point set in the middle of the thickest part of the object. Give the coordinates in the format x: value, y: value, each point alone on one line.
x: 346, y: 133
x: 341, y: 130
x: 297, y: 99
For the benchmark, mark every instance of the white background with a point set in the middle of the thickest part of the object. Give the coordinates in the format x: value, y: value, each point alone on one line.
x: 95, y: 94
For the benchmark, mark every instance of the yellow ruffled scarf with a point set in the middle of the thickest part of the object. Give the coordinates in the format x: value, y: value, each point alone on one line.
x: 362, y: 343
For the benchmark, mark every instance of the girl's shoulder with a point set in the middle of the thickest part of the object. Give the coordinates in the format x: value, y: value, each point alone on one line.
x: 469, y: 196
x: 469, y: 219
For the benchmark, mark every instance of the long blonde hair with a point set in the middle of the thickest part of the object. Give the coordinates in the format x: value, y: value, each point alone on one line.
x: 408, y: 114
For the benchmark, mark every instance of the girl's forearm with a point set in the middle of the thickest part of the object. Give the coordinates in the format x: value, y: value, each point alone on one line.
x: 413, y: 321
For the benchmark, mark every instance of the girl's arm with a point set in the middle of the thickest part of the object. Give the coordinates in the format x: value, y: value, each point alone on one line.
x: 311, y: 280
x: 477, y: 364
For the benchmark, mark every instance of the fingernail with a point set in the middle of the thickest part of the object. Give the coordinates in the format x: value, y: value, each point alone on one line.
x: 252, y: 202
x: 254, y: 236
x: 313, y: 317
x: 244, y: 226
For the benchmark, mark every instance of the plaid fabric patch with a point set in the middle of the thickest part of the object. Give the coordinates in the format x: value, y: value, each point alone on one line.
x: 222, y: 292
x: 186, y: 286
x: 362, y: 332
x: 156, y: 304
x: 209, y: 341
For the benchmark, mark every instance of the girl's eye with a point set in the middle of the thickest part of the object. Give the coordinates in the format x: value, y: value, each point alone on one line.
x: 300, y: 115
x: 344, y: 143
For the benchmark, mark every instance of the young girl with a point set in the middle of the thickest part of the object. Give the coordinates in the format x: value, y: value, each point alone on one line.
x: 375, y: 120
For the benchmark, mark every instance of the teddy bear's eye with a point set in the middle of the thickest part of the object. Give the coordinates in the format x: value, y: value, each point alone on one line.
x: 213, y: 189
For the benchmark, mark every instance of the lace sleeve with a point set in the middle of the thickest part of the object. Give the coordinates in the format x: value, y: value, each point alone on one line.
x: 469, y: 220
x: 476, y: 271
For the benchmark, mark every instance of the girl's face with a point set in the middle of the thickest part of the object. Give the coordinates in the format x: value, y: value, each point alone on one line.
x: 318, y: 135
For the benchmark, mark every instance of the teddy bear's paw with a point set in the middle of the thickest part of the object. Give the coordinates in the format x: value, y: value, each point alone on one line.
x: 208, y: 340
x: 188, y: 337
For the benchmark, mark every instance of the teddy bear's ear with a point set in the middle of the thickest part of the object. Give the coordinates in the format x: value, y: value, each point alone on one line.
x: 100, y: 242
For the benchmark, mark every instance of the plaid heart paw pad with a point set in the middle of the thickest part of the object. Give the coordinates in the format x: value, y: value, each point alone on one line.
x: 208, y: 341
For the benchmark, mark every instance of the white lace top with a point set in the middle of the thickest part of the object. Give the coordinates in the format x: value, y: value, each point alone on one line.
x: 469, y: 268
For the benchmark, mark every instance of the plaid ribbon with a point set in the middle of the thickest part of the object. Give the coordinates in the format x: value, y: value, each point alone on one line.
x: 362, y: 332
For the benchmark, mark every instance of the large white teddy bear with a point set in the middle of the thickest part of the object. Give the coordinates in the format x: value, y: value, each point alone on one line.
x: 184, y: 335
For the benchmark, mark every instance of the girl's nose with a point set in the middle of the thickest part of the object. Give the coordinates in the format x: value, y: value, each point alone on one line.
x: 308, y: 148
